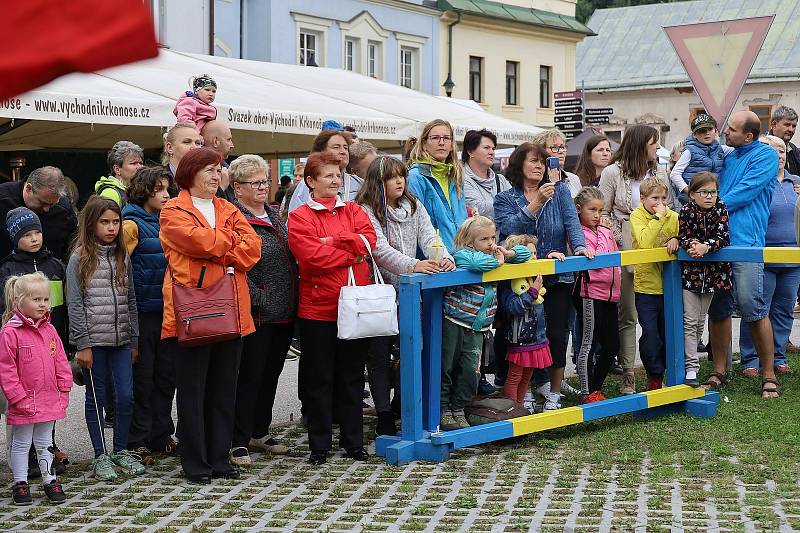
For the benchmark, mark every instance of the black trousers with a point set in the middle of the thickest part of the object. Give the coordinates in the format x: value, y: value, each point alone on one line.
x: 379, y: 368
x: 263, y: 356
x: 153, y: 386
x: 331, y: 374
x: 599, y: 343
x: 557, y: 305
x: 206, y: 380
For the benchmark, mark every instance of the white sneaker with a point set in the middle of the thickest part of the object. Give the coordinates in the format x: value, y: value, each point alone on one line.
x: 552, y: 401
x: 543, y: 390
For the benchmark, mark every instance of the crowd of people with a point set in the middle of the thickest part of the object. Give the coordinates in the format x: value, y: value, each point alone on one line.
x: 108, y: 290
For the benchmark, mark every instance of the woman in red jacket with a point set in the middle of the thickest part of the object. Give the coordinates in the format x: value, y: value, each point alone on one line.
x: 324, y: 238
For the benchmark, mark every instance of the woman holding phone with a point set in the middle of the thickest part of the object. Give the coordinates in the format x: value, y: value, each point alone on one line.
x: 555, y: 144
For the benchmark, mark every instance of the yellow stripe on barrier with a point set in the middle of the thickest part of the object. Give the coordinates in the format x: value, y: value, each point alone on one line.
x: 674, y: 394
x: 647, y: 255
x: 782, y: 255
x: 547, y: 420
x: 521, y: 270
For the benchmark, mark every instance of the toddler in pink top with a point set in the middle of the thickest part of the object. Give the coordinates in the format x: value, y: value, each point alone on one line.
x: 196, y: 105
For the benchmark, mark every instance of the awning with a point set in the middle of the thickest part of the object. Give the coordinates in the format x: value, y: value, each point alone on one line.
x: 272, y: 107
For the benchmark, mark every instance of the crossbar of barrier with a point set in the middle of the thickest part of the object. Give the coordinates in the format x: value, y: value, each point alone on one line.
x: 420, y: 359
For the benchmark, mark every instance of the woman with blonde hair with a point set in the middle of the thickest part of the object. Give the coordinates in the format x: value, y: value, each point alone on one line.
x: 437, y: 179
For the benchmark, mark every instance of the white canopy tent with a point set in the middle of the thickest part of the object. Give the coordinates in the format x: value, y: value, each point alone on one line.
x: 272, y: 108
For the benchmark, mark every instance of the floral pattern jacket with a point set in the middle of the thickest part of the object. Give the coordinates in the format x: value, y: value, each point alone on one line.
x: 711, y: 228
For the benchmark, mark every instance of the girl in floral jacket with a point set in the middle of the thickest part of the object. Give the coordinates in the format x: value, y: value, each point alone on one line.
x: 703, y: 228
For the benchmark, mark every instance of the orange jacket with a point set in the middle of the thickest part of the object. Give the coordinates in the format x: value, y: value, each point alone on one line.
x: 190, y: 243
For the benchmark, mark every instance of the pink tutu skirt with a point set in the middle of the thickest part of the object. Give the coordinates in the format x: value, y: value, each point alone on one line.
x: 536, y: 356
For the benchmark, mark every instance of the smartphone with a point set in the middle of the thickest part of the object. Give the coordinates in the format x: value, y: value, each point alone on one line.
x: 553, y: 162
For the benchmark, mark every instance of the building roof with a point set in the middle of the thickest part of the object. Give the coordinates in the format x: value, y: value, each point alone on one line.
x: 522, y: 15
x: 631, y: 51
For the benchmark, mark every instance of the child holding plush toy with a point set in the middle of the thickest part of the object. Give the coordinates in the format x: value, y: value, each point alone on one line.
x: 596, y: 296
x: 528, y: 347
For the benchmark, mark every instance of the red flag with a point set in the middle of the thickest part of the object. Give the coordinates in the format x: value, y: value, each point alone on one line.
x: 45, y: 39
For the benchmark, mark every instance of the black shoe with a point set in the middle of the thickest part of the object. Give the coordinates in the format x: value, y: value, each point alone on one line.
x: 294, y: 350
x: 202, y: 479
x: 386, y: 424
x: 54, y: 492
x: 21, y: 493
x: 318, y: 458
x: 701, y: 348
x: 485, y: 388
x: 357, y: 454
x: 227, y: 474
x: 108, y: 421
x: 617, y: 370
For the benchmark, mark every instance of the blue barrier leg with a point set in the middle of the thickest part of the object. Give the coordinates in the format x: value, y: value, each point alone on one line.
x: 431, y: 358
x: 673, y: 327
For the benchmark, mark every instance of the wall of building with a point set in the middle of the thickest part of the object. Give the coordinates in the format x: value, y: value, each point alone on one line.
x: 183, y: 24
x: 498, y: 42
x: 674, y: 108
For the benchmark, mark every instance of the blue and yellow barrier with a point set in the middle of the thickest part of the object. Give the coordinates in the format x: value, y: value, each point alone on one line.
x: 420, y: 348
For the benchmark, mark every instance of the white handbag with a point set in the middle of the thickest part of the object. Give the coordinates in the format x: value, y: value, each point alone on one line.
x: 367, y: 310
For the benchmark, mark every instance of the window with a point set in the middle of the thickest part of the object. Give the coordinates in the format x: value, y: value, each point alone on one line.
x: 512, y: 67
x: 475, y: 74
x: 351, y: 62
x: 374, y: 68
x: 308, y: 48
x: 408, y: 68
x: 763, y: 112
x: 544, y: 86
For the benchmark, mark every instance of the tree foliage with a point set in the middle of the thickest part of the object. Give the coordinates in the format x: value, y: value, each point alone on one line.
x: 585, y: 8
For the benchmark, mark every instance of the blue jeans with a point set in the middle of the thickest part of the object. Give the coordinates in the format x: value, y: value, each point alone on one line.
x: 650, y: 309
x: 780, y: 290
x: 118, y: 359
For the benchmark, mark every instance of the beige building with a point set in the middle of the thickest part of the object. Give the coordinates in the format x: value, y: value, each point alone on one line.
x: 631, y: 67
x: 510, y: 56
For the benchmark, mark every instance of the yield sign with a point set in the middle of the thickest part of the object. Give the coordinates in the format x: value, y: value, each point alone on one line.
x: 718, y: 57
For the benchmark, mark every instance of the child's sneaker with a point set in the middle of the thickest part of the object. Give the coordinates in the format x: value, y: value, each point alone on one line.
x: 240, y: 456
x: 103, y: 468
x: 691, y: 379
x: 54, y: 492
x: 447, y: 422
x: 528, y: 402
x: 592, y: 397
x: 460, y: 419
x: 628, y: 383
x: 569, y: 390
x: 552, y: 401
x: 654, y: 382
x: 127, y: 461
x: 21, y: 493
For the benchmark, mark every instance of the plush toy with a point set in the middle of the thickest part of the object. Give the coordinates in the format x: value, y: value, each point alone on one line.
x: 521, y: 285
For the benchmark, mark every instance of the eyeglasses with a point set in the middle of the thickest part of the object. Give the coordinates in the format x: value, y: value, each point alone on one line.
x: 260, y: 184
x: 440, y: 138
x: 557, y: 149
x: 705, y: 193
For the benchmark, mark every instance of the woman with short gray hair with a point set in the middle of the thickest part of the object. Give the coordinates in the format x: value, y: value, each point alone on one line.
x: 273, y: 299
x: 124, y: 159
x: 555, y: 144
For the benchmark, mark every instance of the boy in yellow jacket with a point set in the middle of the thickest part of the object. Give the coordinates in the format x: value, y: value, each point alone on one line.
x: 654, y: 225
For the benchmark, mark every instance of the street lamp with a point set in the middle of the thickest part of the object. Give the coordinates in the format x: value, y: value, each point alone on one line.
x: 448, y: 85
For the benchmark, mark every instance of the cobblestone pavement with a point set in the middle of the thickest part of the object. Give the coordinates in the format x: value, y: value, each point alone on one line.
x: 529, y: 485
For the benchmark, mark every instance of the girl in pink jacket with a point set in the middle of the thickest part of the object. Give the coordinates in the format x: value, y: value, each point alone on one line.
x: 196, y: 105
x: 596, y: 296
x: 36, y: 379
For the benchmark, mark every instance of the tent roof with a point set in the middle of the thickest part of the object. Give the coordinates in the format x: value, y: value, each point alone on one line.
x: 272, y: 107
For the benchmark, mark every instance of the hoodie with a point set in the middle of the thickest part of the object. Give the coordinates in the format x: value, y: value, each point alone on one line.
x: 111, y: 188
x: 400, y: 239
x: 479, y: 192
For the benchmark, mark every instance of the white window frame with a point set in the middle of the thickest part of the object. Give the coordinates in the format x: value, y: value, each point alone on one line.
x: 315, y: 26
x: 375, y: 61
x: 351, y: 60
x: 365, y: 30
x: 414, y: 44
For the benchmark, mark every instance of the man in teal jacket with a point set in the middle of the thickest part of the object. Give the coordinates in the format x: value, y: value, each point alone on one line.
x: 747, y: 181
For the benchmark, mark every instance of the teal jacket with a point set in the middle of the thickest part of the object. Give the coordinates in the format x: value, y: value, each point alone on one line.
x: 474, y: 306
x: 446, y: 217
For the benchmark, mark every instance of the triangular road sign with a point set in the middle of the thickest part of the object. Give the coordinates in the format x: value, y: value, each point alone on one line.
x: 718, y: 57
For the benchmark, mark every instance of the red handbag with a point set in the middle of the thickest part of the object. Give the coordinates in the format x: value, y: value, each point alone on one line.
x: 205, y: 315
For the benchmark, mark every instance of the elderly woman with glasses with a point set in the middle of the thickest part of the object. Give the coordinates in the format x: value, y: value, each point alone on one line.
x: 273, y: 305
x: 555, y: 144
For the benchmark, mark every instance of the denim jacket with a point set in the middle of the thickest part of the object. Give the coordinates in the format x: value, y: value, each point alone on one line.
x: 556, y: 224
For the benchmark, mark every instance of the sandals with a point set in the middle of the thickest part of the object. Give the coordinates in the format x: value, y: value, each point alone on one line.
x: 750, y: 372
x: 710, y: 384
x: 776, y: 388
x: 783, y: 369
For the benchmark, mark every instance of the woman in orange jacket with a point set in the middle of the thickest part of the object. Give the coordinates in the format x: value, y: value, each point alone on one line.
x: 324, y: 238
x: 200, y: 232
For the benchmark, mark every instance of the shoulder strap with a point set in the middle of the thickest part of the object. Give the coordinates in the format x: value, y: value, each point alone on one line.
x: 351, y: 280
x: 497, y: 181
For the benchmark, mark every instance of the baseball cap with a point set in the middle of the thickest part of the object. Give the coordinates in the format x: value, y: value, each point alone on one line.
x: 703, y: 121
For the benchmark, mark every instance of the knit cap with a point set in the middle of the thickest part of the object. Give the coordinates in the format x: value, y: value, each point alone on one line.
x: 20, y: 221
x: 203, y: 80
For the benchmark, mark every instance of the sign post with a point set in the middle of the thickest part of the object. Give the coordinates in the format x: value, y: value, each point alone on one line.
x: 569, y: 112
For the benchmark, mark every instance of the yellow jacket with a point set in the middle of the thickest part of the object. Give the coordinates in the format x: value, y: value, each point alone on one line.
x: 651, y: 231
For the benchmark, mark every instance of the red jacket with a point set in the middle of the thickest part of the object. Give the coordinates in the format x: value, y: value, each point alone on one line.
x: 323, y: 265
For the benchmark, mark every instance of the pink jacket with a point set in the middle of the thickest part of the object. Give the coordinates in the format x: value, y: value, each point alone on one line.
x: 189, y: 108
x: 34, y: 372
x: 603, y: 282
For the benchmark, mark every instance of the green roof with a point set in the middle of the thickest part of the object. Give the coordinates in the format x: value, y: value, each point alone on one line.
x: 521, y: 15
x: 631, y: 51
